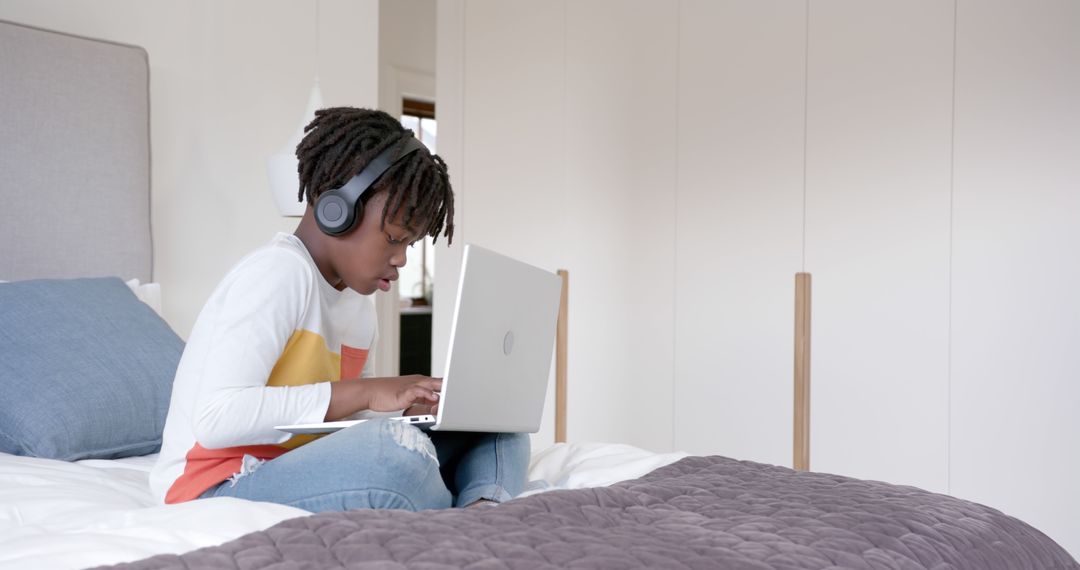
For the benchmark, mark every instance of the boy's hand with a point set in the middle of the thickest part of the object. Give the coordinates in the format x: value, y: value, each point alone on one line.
x: 381, y: 394
x: 389, y: 394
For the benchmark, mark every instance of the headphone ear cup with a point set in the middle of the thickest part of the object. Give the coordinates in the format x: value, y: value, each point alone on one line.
x: 334, y: 214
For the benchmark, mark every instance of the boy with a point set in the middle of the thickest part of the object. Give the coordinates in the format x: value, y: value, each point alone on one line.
x: 285, y: 339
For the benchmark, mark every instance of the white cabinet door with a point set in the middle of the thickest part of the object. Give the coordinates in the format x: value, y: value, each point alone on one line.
x: 877, y: 237
x: 569, y: 162
x: 739, y: 234
x: 1016, y: 263
x: 508, y: 174
x: 620, y: 156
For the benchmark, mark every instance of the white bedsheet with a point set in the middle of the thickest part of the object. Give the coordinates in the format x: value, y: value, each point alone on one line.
x: 60, y: 515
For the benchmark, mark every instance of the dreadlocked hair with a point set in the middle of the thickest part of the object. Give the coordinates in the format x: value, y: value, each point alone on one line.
x: 341, y: 141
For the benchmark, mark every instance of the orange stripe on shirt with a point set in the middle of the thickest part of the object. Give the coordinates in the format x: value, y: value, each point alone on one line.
x: 205, y: 468
x: 352, y: 361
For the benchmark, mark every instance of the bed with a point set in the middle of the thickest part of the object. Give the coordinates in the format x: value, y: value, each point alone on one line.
x: 75, y: 514
x: 75, y: 243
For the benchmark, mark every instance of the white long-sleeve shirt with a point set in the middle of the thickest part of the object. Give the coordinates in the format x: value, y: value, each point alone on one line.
x: 262, y: 353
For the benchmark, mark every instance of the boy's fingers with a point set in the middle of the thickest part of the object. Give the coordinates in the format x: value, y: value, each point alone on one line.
x: 418, y: 395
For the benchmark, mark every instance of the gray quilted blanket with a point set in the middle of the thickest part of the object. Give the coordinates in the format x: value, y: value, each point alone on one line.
x: 701, y: 512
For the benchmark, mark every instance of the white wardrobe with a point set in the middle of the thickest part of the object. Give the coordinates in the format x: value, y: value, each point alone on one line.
x: 684, y: 159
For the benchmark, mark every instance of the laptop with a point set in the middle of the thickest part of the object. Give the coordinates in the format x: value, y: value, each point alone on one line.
x: 501, y: 344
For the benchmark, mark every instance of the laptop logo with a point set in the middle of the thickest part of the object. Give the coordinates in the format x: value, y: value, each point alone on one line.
x: 508, y: 342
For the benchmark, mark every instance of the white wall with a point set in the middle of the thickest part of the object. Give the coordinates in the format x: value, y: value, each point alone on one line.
x: 1015, y: 387
x: 739, y: 225
x: 620, y: 160
x: 879, y: 104
x: 685, y: 160
x: 530, y: 68
x: 228, y: 85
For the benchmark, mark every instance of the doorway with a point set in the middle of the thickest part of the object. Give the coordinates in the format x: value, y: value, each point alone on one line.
x: 407, y: 91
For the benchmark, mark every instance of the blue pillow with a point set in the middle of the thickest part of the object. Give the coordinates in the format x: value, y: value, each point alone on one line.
x: 86, y: 370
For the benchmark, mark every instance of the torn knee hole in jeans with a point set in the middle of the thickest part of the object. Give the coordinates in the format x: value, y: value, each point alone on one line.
x: 248, y: 465
x: 412, y: 439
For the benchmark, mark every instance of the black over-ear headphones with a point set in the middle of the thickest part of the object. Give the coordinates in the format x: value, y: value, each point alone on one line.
x: 339, y: 210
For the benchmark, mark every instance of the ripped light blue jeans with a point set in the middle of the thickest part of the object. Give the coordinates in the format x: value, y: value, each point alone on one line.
x: 385, y: 464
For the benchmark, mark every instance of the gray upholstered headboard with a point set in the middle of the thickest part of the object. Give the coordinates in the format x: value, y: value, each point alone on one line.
x: 74, y: 156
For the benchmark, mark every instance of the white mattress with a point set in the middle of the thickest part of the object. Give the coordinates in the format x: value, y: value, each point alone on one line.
x: 55, y: 514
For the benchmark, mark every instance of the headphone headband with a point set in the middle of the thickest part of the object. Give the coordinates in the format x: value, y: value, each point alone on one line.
x: 339, y: 210
x: 357, y: 185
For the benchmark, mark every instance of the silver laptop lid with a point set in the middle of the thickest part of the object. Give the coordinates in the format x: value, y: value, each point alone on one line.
x: 501, y: 344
